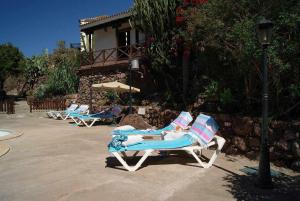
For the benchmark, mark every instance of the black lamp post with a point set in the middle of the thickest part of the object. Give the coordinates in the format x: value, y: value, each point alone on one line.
x: 134, y: 65
x: 264, y: 32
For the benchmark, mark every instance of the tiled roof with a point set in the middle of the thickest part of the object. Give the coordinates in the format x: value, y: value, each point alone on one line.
x: 99, y: 20
x: 91, y: 19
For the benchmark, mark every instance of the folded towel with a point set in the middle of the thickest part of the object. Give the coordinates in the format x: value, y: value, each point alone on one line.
x: 117, y: 141
x: 173, y: 135
x: 131, y: 131
x: 126, y: 127
x: 120, y: 141
x: 133, y: 139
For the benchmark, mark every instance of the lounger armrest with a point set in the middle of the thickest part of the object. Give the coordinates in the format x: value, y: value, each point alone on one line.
x: 220, y: 142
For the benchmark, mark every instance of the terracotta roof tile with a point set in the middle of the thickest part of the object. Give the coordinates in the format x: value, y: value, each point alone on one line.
x: 103, y: 18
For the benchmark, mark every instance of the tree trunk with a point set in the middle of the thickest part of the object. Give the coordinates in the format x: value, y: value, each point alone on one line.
x: 1, y: 84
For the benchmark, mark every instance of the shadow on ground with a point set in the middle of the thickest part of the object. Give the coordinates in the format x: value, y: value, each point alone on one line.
x: 243, y: 188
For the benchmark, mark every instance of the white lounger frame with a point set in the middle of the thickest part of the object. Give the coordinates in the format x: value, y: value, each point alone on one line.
x: 54, y: 113
x: 79, y: 121
x: 60, y: 115
x: 51, y: 114
x: 219, y: 141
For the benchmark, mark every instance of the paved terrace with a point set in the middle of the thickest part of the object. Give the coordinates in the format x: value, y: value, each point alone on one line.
x: 54, y: 160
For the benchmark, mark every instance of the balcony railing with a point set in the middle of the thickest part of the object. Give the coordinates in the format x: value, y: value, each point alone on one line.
x: 109, y: 56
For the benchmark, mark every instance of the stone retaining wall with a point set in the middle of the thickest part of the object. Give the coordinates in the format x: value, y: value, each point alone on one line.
x: 242, y: 135
x: 98, y: 98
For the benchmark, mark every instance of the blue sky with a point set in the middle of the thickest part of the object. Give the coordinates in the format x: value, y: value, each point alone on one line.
x: 33, y: 25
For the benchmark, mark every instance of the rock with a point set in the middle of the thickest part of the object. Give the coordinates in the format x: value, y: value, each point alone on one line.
x: 240, y: 143
x: 242, y: 126
x: 282, y: 145
x: 231, y: 150
x: 296, y: 166
x: 254, y: 143
x: 223, y: 118
x: 296, y: 149
x: 279, y: 125
x: 290, y: 135
x: 136, y: 121
x: 253, y: 155
x: 227, y: 124
x: 257, y: 129
x: 275, y: 156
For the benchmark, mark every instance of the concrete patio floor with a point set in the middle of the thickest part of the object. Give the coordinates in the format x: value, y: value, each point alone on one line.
x: 54, y: 160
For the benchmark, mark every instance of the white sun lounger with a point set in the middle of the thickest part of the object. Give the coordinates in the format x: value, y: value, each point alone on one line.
x: 89, y: 119
x: 182, y: 121
x: 53, y: 114
x: 83, y: 109
x: 201, y: 136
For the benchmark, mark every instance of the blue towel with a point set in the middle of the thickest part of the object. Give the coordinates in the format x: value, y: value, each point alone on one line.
x: 183, y: 141
x: 142, y: 132
x: 96, y: 116
x: 75, y: 114
x: 116, y: 142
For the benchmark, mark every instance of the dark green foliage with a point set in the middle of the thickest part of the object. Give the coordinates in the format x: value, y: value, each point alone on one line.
x: 11, y: 61
x: 36, y: 66
x: 62, y: 68
x: 225, y: 62
x: 225, y: 30
x: 157, y: 19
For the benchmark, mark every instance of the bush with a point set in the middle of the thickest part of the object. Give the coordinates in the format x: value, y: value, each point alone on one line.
x: 62, y: 73
x: 40, y: 92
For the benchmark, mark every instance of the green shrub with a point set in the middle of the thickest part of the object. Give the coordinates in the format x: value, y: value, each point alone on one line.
x: 40, y: 92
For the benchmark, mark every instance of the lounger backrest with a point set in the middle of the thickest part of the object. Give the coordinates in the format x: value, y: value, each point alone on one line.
x: 183, y: 120
x: 116, y: 110
x: 82, y: 108
x: 72, y: 107
x: 204, y: 129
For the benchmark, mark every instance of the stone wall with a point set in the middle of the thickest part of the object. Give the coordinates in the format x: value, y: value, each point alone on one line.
x: 98, y: 98
x: 242, y: 135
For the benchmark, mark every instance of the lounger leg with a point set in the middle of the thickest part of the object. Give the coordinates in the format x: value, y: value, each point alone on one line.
x: 78, y: 122
x: 124, y: 154
x: 84, y: 122
x: 135, y: 153
x: 57, y: 116
x: 67, y: 116
x: 220, y: 143
x: 92, y: 123
x: 74, y: 119
x: 139, y: 163
x: 204, y: 165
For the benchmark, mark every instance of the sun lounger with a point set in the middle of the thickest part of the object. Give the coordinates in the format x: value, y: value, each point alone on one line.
x: 90, y: 119
x: 53, y: 114
x: 82, y: 109
x: 200, y: 136
x: 181, y: 122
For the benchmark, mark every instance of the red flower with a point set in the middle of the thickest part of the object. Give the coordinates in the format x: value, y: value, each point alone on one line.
x: 186, y: 2
x: 180, y: 20
x: 180, y: 11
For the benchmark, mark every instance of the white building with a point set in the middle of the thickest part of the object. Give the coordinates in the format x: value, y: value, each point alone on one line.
x: 108, y: 40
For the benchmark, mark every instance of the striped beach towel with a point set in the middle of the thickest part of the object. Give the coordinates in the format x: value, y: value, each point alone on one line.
x: 183, y: 120
x: 204, y: 129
